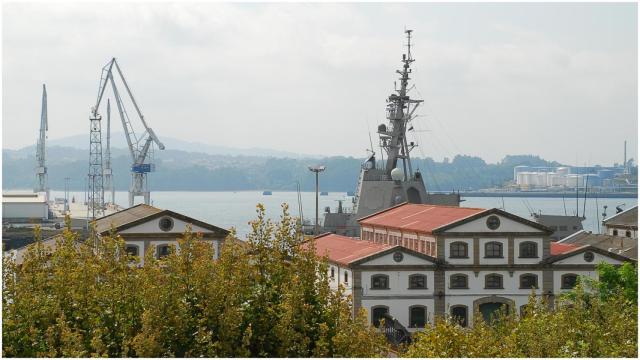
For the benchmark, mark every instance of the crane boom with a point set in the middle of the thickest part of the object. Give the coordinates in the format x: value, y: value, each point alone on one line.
x: 41, y: 170
x: 140, y: 148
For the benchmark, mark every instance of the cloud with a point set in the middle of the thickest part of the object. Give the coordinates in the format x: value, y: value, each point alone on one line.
x: 309, y: 77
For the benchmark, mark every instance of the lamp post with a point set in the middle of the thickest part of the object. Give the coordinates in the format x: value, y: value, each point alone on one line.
x: 316, y: 169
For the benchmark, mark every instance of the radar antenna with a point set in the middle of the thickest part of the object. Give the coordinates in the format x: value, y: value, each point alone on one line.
x: 400, y: 109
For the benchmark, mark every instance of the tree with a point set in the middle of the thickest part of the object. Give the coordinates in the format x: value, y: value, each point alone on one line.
x: 584, y: 325
x: 268, y: 296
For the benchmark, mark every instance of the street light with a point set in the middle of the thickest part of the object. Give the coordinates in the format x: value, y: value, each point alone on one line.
x: 316, y: 169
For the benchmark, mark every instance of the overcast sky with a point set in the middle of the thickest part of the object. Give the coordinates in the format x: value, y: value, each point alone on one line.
x: 557, y: 80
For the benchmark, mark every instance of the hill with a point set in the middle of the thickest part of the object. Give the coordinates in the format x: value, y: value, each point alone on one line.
x: 201, y: 171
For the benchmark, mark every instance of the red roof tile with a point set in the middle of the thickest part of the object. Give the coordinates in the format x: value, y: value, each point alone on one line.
x: 559, y: 248
x: 419, y: 217
x: 344, y: 250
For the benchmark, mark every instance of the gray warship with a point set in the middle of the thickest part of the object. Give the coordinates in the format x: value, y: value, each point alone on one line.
x: 391, y: 182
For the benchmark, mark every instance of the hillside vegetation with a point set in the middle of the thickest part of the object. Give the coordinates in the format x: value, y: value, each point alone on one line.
x: 181, y: 170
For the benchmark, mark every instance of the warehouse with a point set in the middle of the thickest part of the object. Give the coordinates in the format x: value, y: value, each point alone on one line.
x: 24, y: 206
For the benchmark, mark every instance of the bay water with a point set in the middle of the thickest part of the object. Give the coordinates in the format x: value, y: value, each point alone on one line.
x: 228, y: 209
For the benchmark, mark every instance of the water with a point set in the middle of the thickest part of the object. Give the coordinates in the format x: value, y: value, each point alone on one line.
x: 236, y: 209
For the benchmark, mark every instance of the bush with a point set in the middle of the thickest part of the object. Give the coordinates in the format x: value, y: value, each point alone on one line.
x: 266, y: 297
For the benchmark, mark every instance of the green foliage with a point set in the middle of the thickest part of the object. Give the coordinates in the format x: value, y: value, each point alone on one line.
x: 617, y: 279
x: 266, y: 297
x: 180, y: 170
x: 581, y: 326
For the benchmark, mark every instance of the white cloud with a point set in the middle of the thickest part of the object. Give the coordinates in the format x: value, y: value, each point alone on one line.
x: 307, y: 77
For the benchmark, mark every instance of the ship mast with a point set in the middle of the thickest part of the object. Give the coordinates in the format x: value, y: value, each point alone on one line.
x: 400, y: 109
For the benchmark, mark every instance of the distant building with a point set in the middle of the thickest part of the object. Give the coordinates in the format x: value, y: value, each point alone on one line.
x: 416, y: 262
x: 24, y: 206
x: 625, y: 246
x: 144, y: 227
x: 624, y: 223
x: 561, y: 225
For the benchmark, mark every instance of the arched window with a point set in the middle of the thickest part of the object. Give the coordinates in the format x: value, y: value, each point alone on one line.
x: 417, y: 281
x: 333, y: 272
x: 132, y: 250
x: 627, y: 234
x: 346, y: 277
x: 458, y: 281
x: 493, y: 281
x: 528, y: 249
x: 528, y: 281
x: 493, y: 249
x: 380, y: 282
x: 458, y: 249
x: 569, y: 281
x: 459, y: 314
x: 417, y: 316
x: 377, y: 312
x: 163, y: 250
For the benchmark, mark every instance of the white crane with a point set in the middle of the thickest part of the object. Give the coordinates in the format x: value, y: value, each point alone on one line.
x: 41, y: 169
x: 108, y: 172
x: 139, y: 146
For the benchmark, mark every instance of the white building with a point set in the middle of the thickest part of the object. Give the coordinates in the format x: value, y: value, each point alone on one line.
x: 417, y: 262
x: 145, y: 227
x: 24, y: 206
x: 623, y: 224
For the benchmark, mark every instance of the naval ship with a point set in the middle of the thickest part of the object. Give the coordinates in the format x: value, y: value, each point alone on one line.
x: 391, y: 182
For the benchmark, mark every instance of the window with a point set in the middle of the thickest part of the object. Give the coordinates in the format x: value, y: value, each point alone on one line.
x: 417, y: 281
x: 131, y: 250
x: 563, y: 228
x: 569, y: 281
x: 417, y: 316
x: 493, y: 249
x: 459, y: 314
x: 377, y: 312
x: 615, y: 232
x: 166, y: 223
x: 458, y: 281
x: 528, y: 249
x: 458, y: 249
x: 163, y: 250
x: 380, y: 282
x: 346, y: 277
x: 493, y: 281
x: 627, y: 234
x: 333, y: 272
x: 528, y: 281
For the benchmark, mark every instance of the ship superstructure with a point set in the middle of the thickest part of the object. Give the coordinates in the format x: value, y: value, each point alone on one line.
x: 394, y: 181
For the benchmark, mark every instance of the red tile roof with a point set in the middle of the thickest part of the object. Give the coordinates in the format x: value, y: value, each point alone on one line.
x: 344, y: 250
x: 419, y: 217
x: 559, y: 248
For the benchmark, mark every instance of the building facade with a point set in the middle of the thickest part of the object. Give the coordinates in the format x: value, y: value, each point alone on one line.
x: 624, y: 224
x: 145, y: 228
x: 417, y: 262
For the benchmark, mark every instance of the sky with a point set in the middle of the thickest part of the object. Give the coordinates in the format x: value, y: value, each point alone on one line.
x: 556, y: 80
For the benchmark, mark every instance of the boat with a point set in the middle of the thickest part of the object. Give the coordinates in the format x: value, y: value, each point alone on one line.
x: 324, y: 193
x: 267, y: 192
x: 392, y: 181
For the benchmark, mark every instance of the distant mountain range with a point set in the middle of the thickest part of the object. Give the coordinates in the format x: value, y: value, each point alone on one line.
x: 200, y: 167
x: 118, y: 141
